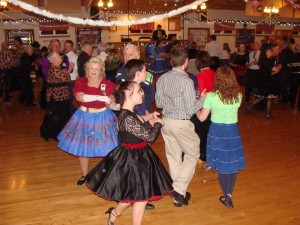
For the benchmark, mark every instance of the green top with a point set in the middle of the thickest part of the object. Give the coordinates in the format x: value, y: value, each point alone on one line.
x: 220, y: 112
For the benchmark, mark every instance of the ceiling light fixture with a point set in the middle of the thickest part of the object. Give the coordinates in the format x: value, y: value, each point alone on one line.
x: 3, y: 5
x: 102, y: 6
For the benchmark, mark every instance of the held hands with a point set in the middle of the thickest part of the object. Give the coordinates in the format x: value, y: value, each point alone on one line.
x: 159, y: 120
x: 156, y: 119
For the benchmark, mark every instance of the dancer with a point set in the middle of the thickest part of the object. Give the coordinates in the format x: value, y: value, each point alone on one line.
x: 160, y: 64
x: 176, y: 95
x: 92, y: 130
x: 132, y: 173
x: 225, y: 151
x: 205, y: 77
x: 269, y: 89
x: 57, y: 97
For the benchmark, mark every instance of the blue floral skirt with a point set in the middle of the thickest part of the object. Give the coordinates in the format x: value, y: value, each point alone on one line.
x: 89, y: 134
x: 159, y: 66
x: 225, y: 151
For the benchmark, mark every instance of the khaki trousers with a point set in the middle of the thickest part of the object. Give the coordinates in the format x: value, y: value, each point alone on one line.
x: 180, y: 137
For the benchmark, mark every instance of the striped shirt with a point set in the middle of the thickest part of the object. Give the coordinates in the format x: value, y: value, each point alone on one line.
x: 175, y: 94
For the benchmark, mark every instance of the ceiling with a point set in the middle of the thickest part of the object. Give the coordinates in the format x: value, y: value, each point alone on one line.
x: 159, y: 5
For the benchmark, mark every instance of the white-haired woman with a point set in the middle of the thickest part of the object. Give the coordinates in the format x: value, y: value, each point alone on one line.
x: 92, y: 130
x: 57, y: 97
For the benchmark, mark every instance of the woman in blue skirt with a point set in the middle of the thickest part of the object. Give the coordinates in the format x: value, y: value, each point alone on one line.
x: 160, y: 64
x: 92, y: 130
x: 225, y: 151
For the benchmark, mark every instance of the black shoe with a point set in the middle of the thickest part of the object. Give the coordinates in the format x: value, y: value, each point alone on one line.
x: 111, y: 212
x: 187, y: 197
x: 81, y: 181
x: 149, y: 206
x: 229, y: 200
x: 225, y: 202
x: 202, y: 158
x: 179, y: 198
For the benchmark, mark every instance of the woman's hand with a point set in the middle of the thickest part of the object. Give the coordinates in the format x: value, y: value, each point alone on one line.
x: 158, y: 120
x: 203, y: 93
x: 155, y: 115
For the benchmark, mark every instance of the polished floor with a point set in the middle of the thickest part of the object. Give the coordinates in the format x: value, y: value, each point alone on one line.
x: 38, y: 181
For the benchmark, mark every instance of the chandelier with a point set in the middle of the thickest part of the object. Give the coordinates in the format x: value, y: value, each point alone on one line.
x: 202, y: 7
x: 107, y: 6
x: 3, y: 5
x: 271, y: 10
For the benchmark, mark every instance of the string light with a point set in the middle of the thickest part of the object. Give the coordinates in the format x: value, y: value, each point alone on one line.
x: 76, y: 20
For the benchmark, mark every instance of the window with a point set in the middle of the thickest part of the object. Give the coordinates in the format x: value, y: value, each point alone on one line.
x: 142, y: 28
x: 54, y: 29
x: 224, y: 28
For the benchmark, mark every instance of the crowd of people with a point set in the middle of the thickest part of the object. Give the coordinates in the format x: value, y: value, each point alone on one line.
x: 101, y: 106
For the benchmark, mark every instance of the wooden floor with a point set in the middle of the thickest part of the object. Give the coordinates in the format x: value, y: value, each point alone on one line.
x: 38, y: 181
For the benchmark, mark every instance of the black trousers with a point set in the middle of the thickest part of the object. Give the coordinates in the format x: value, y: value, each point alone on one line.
x: 253, y: 83
x: 26, y: 96
x: 201, y: 128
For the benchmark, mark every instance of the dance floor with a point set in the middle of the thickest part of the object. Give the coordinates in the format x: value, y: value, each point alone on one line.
x: 38, y: 181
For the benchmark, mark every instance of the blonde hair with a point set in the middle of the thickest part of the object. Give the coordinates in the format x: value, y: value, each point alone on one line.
x: 95, y: 60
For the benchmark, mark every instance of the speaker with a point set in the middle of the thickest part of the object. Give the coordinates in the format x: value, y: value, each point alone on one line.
x: 94, y: 12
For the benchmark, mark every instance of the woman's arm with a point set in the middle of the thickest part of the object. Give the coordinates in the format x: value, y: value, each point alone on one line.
x: 150, y: 116
x: 135, y: 127
x: 203, y: 114
x: 81, y: 97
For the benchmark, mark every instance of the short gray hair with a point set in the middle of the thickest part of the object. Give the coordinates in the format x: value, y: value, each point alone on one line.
x: 85, y: 46
x: 135, y: 47
x: 51, y: 56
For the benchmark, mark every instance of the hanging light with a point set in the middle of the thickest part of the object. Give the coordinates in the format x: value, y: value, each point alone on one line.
x: 102, y: 6
x: 203, y: 6
x: 110, y: 4
x: 3, y: 5
x: 271, y: 10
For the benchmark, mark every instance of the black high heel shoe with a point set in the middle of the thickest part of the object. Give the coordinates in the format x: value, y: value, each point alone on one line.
x: 81, y: 181
x: 111, y: 212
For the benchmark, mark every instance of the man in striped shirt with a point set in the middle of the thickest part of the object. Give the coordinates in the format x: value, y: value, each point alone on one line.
x: 175, y: 94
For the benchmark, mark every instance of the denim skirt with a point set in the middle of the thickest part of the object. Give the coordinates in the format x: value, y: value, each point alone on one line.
x: 225, y: 151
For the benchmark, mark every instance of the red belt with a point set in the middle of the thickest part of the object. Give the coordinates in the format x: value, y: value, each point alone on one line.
x: 138, y: 145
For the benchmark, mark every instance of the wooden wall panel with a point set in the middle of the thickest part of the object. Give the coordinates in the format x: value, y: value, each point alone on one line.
x: 65, y: 6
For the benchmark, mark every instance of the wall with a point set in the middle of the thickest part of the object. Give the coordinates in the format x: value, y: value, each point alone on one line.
x: 115, y: 36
